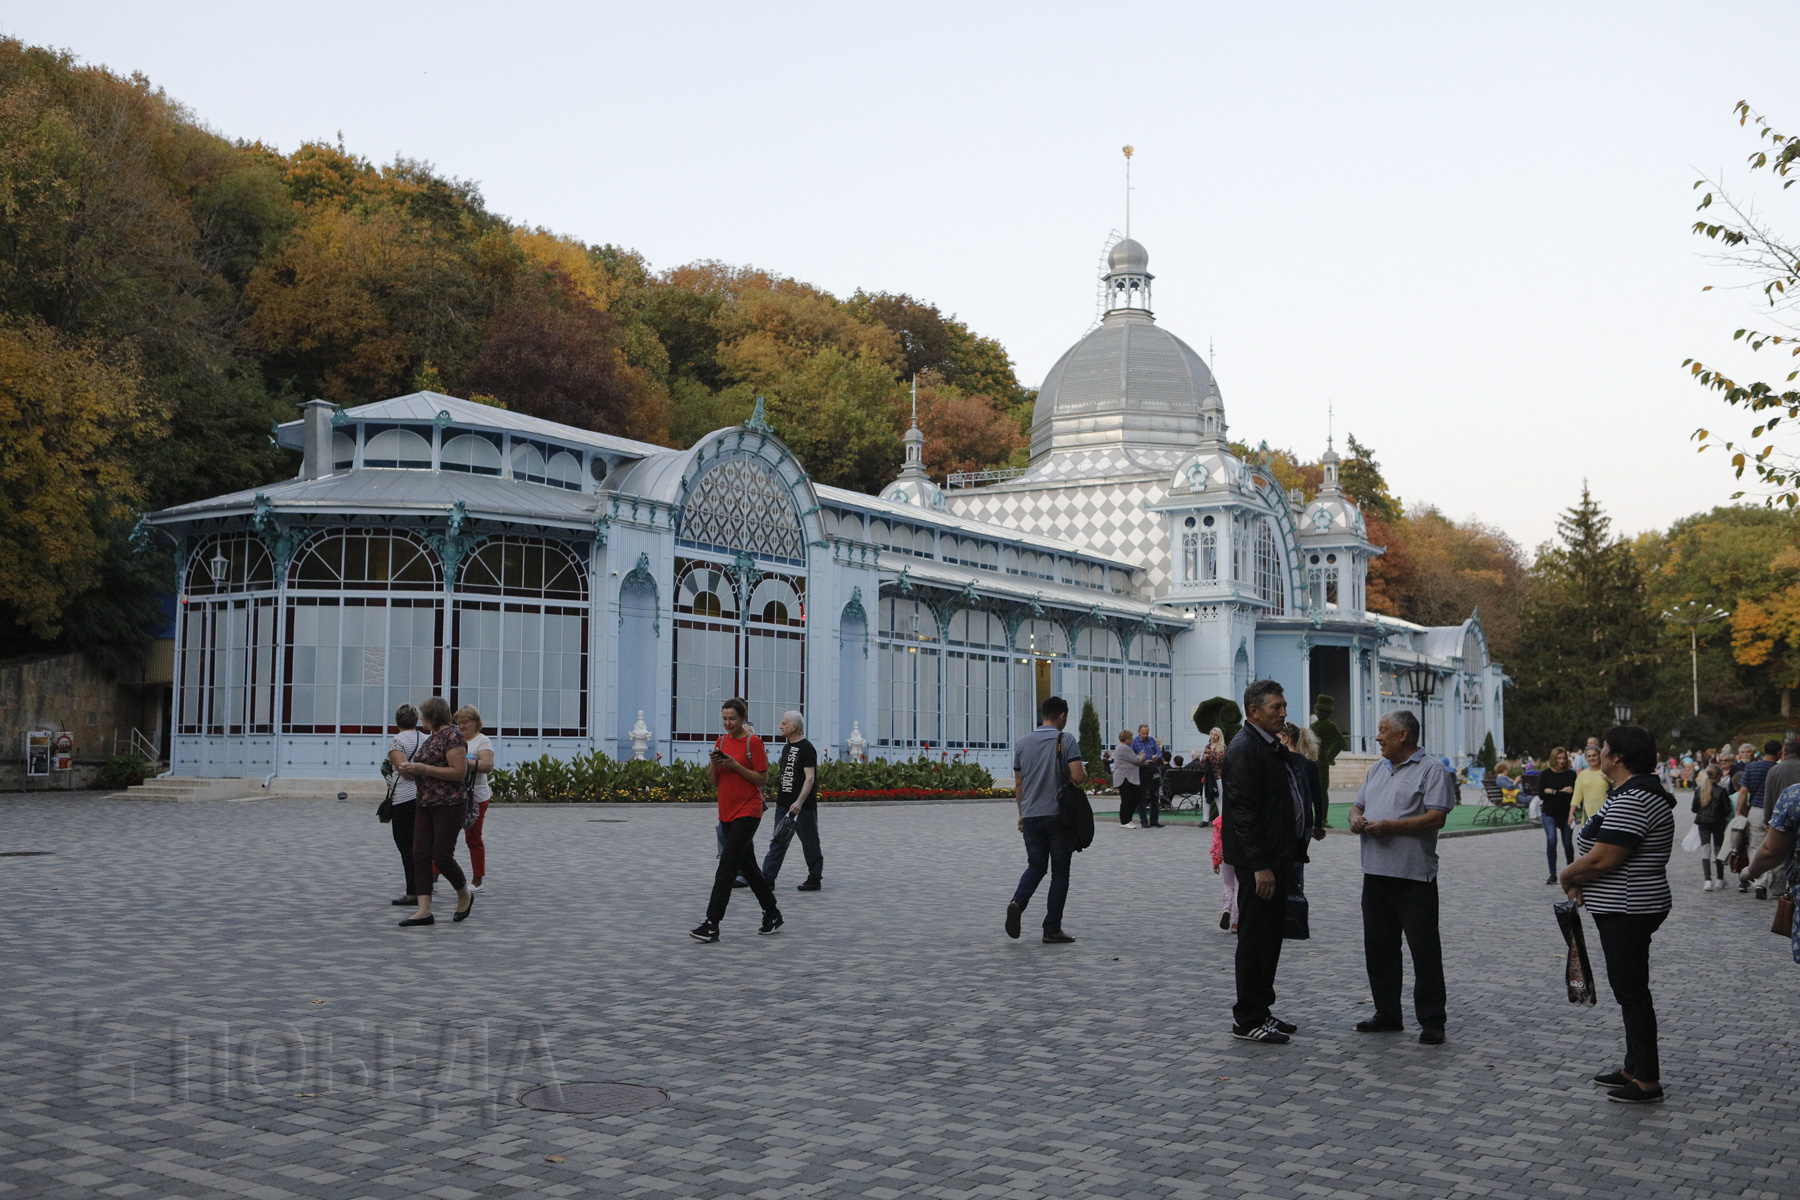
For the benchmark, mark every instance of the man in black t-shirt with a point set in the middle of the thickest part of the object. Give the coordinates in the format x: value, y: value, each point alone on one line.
x: 796, y: 804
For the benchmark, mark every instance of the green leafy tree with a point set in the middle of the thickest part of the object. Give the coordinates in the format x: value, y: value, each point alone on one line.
x: 1221, y: 714
x: 1092, y: 748
x: 1487, y: 756
x: 1331, y: 739
x: 1588, y: 636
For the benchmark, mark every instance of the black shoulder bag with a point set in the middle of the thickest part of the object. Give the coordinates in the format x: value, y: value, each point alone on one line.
x: 384, y: 812
x: 1073, y: 809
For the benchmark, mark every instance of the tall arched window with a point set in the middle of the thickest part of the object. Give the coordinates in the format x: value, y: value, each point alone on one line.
x: 1147, y: 685
x: 364, y: 627
x: 741, y: 504
x: 975, y: 671
x: 521, y: 658
x: 227, y: 683
x: 476, y: 453
x: 1269, y: 587
x: 1100, y: 677
x: 1038, y: 646
x: 398, y: 447
x: 758, y: 653
x: 910, y: 657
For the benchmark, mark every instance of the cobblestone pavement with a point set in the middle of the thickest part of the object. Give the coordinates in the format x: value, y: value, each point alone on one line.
x: 212, y: 999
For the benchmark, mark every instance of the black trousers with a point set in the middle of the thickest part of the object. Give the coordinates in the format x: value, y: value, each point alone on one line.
x: 1150, y: 798
x: 1392, y: 907
x: 1128, y: 801
x: 1625, y: 940
x: 402, y: 825
x: 435, y: 830
x: 738, y: 857
x: 1260, y: 924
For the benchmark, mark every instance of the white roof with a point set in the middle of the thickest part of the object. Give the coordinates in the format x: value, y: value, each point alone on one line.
x: 378, y: 491
x: 1026, y: 588
x: 425, y: 406
x: 845, y: 498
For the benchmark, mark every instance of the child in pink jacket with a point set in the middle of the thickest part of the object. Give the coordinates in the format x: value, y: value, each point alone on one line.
x: 1226, y: 872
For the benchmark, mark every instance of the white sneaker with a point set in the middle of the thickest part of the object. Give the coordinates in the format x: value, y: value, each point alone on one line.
x: 1708, y: 886
x: 476, y: 887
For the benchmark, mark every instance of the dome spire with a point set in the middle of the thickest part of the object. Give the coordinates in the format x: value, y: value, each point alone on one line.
x: 1129, y: 151
x: 914, y: 441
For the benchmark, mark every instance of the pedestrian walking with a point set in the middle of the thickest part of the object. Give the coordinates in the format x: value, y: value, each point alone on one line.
x: 1228, y: 912
x: 738, y: 767
x: 1042, y: 761
x: 1590, y: 787
x: 1750, y: 794
x: 796, y: 805
x: 1712, y: 813
x: 481, y: 762
x: 1405, y: 799
x: 402, y: 747
x: 1303, y: 764
x: 439, y: 770
x: 1265, y: 820
x: 1556, y: 800
x: 1127, y: 776
x: 1622, y: 879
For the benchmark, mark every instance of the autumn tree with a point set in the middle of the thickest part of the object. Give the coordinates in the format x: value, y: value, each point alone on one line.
x: 963, y: 432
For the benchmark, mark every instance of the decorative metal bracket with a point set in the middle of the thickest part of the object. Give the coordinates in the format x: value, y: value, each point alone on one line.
x: 281, y: 542
x: 759, y: 420
x: 640, y: 575
x: 744, y: 576
x: 454, y: 544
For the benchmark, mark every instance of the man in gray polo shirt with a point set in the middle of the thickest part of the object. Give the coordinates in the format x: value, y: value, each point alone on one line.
x: 1404, y: 801
x: 1038, y: 769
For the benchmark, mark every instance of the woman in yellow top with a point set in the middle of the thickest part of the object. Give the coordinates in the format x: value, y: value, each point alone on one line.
x: 1590, y: 790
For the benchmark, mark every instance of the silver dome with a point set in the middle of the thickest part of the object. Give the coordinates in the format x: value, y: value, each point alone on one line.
x: 1128, y: 256
x: 1128, y: 383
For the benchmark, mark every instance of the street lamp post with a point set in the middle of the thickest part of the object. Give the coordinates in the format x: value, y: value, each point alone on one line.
x: 1621, y: 712
x: 1694, y: 614
x: 1421, y: 681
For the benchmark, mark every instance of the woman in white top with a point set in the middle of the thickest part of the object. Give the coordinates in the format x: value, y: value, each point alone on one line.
x: 404, y: 745
x: 481, y: 757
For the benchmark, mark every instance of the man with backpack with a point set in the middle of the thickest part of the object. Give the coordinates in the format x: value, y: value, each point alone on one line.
x: 1043, y: 761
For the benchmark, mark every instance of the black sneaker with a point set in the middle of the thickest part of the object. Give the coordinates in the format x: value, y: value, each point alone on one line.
x: 705, y: 931
x: 1377, y: 1025
x: 1286, y: 1027
x: 1225, y: 919
x: 1612, y: 1079
x: 1013, y: 912
x: 1635, y: 1093
x: 739, y: 882
x: 1762, y: 893
x: 1431, y: 1037
x: 1266, y: 1032
x: 1057, y: 937
x: 771, y: 921
x: 811, y: 885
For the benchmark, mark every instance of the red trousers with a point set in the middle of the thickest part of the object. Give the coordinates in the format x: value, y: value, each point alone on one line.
x: 477, y: 849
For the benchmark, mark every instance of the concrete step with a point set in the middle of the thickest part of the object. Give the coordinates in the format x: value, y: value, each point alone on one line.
x: 176, y: 789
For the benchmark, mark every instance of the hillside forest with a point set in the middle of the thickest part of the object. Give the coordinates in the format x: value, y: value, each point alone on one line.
x: 167, y: 293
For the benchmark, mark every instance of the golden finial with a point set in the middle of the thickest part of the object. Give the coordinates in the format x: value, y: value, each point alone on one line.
x: 1129, y: 150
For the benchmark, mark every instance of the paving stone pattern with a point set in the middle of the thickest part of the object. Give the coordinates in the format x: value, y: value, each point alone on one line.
x: 212, y: 999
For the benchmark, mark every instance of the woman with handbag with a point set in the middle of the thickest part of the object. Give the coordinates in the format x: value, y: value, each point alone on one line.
x: 1212, y: 762
x: 1556, y: 796
x: 1127, y: 777
x: 439, y: 769
x: 1712, y: 814
x: 402, y: 792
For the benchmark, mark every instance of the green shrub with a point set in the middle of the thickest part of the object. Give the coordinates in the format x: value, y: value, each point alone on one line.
x: 594, y: 778
x: 1221, y: 714
x: 122, y: 771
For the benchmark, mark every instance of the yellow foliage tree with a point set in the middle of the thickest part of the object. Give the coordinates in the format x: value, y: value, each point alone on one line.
x: 1765, y: 632
x: 72, y: 419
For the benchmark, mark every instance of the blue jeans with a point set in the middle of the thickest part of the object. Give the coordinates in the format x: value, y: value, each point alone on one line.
x: 1046, y: 849
x: 1550, y: 831
x: 806, y: 825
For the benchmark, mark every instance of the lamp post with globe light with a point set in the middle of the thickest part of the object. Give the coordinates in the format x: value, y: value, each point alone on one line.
x: 1694, y: 614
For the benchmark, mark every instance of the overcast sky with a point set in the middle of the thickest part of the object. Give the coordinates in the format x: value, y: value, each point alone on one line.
x: 1467, y: 231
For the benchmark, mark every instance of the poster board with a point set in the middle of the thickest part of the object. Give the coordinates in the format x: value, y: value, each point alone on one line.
x: 62, y: 751
x: 37, y: 753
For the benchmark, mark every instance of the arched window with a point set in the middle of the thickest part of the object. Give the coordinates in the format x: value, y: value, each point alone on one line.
x: 1037, y: 645
x: 740, y: 504
x: 759, y: 654
x: 527, y: 462
x: 227, y: 630
x: 398, y: 447
x: 1100, y: 677
x: 343, y: 451
x: 238, y: 563
x: 358, y: 645
x: 476, y: 453
x: 1148, y: 685
x: 975, y: 673
x: 524, y: 567
x: 1269, y: 588
x: 910, y: 659
x: 365, y: 561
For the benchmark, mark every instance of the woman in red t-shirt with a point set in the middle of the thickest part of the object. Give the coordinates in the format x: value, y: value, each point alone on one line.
x: 739, y: 767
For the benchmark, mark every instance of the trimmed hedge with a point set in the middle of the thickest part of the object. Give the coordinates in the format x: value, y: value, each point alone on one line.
x: 593, y: 778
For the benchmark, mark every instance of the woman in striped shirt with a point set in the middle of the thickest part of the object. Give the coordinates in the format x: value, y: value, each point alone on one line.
x: 1622, y: 879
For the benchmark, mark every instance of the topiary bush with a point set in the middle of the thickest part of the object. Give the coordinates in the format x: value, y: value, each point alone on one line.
x: 1221, y: 714
x: 1093, y: 748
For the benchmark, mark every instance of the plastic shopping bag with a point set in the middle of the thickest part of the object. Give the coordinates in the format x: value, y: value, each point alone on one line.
x: 1691, y: 842
x: 1578, y: 972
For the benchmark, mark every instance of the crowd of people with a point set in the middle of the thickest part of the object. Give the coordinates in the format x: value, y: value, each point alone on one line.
x: 438, y: 767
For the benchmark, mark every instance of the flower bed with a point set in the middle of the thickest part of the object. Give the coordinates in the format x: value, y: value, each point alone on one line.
x: 596, y: 779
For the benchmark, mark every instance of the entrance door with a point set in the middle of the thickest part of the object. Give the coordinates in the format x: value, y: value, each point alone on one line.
x: 1043, y: 682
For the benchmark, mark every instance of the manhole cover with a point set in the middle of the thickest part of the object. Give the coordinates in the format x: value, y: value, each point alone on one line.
x: 25, y: 853
x: 596, y: 1099
x: 606, y: 820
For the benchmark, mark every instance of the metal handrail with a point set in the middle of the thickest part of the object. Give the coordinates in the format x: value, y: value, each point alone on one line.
x: 958, y: 479
x: 137, y: 743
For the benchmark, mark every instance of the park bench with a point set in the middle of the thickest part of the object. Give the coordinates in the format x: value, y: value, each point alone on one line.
x: 1501, y: 808
x: 1184, y: 789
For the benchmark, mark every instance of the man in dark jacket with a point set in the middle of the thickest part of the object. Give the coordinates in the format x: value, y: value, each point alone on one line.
x: 1265, y: 821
